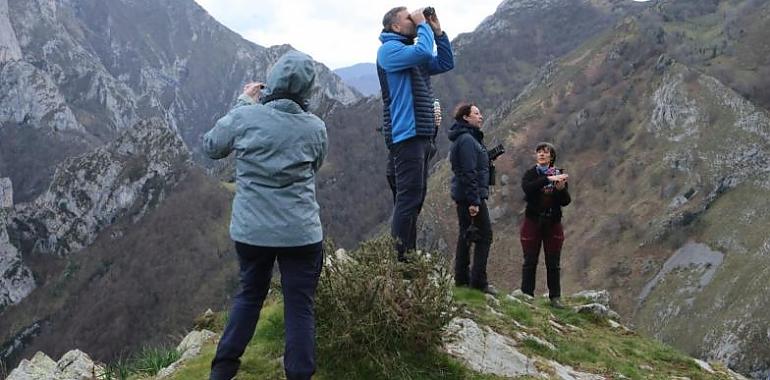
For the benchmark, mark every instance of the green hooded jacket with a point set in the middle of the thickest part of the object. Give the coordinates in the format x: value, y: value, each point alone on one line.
x: 279, y: 148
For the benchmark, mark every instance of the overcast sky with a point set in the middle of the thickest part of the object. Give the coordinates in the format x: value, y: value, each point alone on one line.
x: 337, y: 33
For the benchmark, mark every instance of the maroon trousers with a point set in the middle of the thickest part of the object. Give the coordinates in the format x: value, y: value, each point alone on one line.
x: 533, y: 235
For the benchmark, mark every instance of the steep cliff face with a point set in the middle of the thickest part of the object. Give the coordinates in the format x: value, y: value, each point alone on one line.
x: 124, y: 178
x: 16, y: 280
x: 9, y: 45
x: 74, y: 74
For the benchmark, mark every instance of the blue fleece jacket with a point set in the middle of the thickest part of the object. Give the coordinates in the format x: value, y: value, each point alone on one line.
x: 404, y: 70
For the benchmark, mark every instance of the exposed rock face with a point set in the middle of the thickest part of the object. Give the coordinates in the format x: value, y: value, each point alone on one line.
x: 9, y: 46
x: 74, y: 365
x: 125, y: 178
x: 31, y: 97
x: 16, y: 280
x: 6, y: 193
x: 675, y: 116
x: 77, y: 74
x: 189, y: 348
x: 486, y: 351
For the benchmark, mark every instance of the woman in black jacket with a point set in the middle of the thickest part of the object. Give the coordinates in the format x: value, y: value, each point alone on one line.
x: 545, y: 190
x: 470, y: 190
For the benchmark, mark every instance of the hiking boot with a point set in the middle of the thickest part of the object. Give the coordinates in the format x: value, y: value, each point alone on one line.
x: 489, y: 289
x: 556, y: 303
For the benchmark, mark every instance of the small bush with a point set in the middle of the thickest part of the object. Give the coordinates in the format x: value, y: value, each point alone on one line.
x: 149, y: 361
x: 371, y: 308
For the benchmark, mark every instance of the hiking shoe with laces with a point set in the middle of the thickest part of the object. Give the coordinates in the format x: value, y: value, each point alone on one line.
x: 556, y: 303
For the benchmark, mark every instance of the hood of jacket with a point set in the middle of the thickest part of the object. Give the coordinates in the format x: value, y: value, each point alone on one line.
x: 292, y: 77
x: 461, y: 128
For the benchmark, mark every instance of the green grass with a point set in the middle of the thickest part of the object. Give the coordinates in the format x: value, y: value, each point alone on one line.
x: 261, y: 359
x: 586, y: 342
x: 590, y: 346
x: 147, y: 362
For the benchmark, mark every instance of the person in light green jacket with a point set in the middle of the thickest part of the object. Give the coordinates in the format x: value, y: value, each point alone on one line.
x: 279, y: 147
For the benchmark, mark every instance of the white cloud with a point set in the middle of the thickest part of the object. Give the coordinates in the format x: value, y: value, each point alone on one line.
x: 337, y: 33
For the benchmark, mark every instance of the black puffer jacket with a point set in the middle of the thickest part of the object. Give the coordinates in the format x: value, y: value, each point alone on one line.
x: 470, y: 164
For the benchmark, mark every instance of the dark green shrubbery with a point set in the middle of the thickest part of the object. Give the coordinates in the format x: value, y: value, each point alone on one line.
x: 375, y: 312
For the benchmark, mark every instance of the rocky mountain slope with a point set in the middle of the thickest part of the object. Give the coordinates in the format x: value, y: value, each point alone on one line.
x: 667, y: 167
x: 74, y: 74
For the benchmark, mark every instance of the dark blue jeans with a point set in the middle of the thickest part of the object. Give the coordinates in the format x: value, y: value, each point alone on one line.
x: 478, y: 273
x: 410, y: 162
x: 300, y: 268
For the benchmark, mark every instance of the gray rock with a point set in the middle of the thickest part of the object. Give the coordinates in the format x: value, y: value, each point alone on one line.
x: 486, y: 351
x: 16, y: 280
x: 703, y: 365
x: 74, y: 365
x: 694, y: 256
x: 88, y: 193
x: 39, y: 367
x: 598, y: 310
x: 522, y: 336
x: 191, y: 344
x: 596, y: 296
x: 9, y: 45
x: 675, y: 116
x: 189, y: 348
x: 6, y: 192
x: 565, y: 372
x: 29, y: 96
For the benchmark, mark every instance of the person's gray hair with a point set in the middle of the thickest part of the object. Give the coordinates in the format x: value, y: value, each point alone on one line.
x: 390, y: 18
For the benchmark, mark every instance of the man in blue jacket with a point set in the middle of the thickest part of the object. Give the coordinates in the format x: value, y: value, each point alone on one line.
x: 405, y: 63
x: 279, y: 147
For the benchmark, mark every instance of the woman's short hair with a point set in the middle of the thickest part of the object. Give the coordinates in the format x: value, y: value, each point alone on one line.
x: 463, y: 109
x: 546, y: 145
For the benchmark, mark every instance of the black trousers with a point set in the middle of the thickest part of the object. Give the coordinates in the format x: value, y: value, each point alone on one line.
x: 410, y: 164
x: 478, y: 272
x: 300, y: 269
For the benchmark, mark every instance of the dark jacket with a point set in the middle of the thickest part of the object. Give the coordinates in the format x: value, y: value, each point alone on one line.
x: 544, y: 202
x: 470, y: 164
x: 404, y: 69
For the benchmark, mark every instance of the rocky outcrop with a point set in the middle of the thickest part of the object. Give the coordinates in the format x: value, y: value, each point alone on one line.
x: 6, y: 193
x: 189, y: 348
x: 122, y: 179
x: 9, y: 46
x: 675, y: 116
x: 16, y: 281
x: 486, y: 351
x: 31, y: 98
x: 74, y: 365
x: 88, y: 71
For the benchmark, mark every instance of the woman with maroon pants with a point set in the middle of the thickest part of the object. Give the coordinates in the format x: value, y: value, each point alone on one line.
x: 545, y: 190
